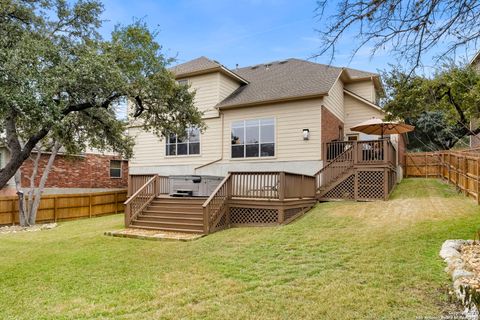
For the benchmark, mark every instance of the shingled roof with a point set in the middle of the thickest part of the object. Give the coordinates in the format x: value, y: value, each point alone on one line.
x: 287, y: 79
x: 279, y: 80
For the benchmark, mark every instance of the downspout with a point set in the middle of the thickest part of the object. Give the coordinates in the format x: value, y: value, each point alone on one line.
x: 222, y: 146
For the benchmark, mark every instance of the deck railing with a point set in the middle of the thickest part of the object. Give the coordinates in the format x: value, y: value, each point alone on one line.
x: 258, y: 185
x: 217, y: 204
x: 141, y: 199
x: 369, y: 152
x: 336, y: 167
x: 136, y: 181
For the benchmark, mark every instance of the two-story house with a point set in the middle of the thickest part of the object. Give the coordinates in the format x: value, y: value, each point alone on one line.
x: 272, y: 116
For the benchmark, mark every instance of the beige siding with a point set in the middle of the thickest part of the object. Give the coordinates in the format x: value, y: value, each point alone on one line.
x: 334, y: 100
x: 207, y: 92
x: 364, y: 89
x: 357, y: 111
x: 149, y: 150
x: 227, y: 86
x: 290, y: 119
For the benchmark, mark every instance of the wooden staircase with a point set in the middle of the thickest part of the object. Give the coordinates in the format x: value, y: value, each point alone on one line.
x: 172, y: 214
x: 357, y: 170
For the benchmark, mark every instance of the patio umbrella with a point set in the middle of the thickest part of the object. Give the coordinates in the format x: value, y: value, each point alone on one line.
x: 379, y: 127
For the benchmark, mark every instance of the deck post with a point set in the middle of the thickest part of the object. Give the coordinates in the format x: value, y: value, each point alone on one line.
x: 206, y: 222
x: 281, y: 214
x: 385, y: 184
x: 385, y: 151
x: 127, y: 215
x: 129, y: 185
x: 281, y: 189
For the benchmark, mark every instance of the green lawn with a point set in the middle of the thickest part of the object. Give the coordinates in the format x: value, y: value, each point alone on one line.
x: 342, y: 260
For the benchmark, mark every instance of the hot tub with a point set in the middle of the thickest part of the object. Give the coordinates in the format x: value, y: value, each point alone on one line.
x: 193, y: 185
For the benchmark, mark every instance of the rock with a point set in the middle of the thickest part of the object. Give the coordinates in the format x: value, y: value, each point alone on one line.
x: 49, y: 226
x: 451, y: 248
x: 460, y: 273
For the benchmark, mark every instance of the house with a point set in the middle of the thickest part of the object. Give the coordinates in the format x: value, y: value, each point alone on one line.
x: 279, y: 133
x: 89, y: 170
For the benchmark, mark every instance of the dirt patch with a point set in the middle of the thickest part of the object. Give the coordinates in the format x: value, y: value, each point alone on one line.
x: 153, y: 234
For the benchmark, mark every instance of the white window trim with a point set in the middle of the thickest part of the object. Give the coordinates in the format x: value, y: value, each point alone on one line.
x: 259, y: 157
x: 199, y: 154
x: 110, y: 169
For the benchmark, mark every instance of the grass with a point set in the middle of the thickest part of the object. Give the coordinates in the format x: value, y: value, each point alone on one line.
x: 342, y: 260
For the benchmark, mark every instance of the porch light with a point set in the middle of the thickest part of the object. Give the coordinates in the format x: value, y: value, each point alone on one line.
x: 306, y: 134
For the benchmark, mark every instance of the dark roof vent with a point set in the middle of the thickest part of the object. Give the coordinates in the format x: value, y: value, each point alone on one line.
x: 254, y: 67
x: 267, y: 66
x: 283, y: 62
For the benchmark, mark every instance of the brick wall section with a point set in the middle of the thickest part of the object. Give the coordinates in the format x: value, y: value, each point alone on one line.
x: 330, y: 126
x: 86, y: 171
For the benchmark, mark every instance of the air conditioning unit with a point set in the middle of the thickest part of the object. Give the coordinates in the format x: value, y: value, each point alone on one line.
x: 193, y: 185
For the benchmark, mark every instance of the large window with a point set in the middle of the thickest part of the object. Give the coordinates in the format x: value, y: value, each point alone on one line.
x: 189, y: 144
x: 253, y: 138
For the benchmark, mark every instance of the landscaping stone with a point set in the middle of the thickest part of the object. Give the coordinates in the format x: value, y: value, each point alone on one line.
x: 153, y: 234
x: 37, y: 227
x: 463, y: 265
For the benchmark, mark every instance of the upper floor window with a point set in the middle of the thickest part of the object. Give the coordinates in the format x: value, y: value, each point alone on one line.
x: 115, y: 168
x: 253, y: 138
x: 189, y: 144
x: 182, y: 82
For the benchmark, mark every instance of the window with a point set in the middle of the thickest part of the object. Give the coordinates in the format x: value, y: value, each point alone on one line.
x: 352, y: 137
x: 115, y: 168
x: 253, y: 138
x: 182, y: 82
x: 184, y: 146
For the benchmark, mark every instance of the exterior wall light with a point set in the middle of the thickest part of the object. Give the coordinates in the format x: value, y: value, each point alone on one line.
x: 306, y: 134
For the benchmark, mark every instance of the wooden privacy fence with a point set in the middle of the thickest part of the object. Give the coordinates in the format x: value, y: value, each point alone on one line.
x: 461, y: 168
x: 58, y: 207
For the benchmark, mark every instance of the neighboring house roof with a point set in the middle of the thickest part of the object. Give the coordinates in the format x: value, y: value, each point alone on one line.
x: 203, y: 65
x: 287, y: 80
x: 475, y: 58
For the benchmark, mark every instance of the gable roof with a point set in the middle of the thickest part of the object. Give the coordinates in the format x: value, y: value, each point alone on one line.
x: 203, y: 65
x: 289, y: 79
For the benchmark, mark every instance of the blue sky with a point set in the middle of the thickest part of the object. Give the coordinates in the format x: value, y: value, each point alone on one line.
x: 246, y: 32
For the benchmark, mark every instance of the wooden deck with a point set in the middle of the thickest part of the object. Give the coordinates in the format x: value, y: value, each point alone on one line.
x: 363, y: 170
x: 357, y: 170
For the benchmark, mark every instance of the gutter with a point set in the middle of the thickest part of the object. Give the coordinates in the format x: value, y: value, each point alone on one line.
x: 222, y: 144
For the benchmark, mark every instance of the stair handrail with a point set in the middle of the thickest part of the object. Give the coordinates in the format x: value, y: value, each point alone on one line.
x: 338, y: 159
x: 140, y: 199
x: 216, y: 204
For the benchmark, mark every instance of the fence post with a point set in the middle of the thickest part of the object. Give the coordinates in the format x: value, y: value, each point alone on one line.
x: 13, y: 211
x: 116, y: 202
x: 55, y: 205
x: 302, y: 186
x: 478, y: 180
x: 426, y: 166
x: 89, y: 205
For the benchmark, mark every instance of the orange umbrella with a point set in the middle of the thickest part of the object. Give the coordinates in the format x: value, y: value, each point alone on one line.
x: 379, y: 127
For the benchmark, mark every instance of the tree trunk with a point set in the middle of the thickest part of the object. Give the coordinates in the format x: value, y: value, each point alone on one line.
x: 32, y: 177
x: 22, y: 218
x: 17, y: 154
x: 43, y: 181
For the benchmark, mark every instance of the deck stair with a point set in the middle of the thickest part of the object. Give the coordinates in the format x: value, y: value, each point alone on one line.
x: 183, y: 214
x: 357, y: 170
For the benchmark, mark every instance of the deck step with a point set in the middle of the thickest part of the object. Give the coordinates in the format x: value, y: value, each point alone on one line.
x: 169, y: 229
x: 160, y: 224
x: 174, y: 208
x: 169, y: 218
x: 159, y: 213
